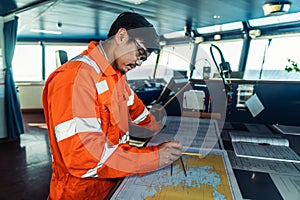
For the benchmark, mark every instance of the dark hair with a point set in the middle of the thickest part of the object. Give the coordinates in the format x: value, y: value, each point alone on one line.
x: 137, y: 27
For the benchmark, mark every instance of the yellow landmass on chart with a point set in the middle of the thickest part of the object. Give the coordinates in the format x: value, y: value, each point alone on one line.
x: 206, y: 179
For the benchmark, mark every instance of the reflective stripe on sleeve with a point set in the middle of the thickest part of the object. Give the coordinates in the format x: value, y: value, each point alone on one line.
x: 107, y: 152
x: 76, y: 125
x: 125, y: 138
x: 142, y: 116
x: 88, y: 61
x: 131, y: 98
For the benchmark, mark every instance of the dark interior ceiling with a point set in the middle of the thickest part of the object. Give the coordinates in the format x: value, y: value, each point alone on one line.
x: 91, y: 19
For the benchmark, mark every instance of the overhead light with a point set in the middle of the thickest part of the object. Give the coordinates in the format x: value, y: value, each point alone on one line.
x: 199, y: 39
x: 254, y: 33
x: 162, y: 43
x: 45, y: 31
x: 135, y: 1
x: 220, y: 28
x: 275, y: 20
x: 276, y: 7
x: 217, y: 37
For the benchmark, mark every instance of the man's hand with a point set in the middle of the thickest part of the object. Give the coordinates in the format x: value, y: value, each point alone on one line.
x: 169, y: 152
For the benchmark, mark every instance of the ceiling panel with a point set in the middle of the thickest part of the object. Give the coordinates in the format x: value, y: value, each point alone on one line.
x: 92, y: 18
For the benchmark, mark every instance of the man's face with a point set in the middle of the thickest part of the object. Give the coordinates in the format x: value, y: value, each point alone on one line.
x: 132, y: 54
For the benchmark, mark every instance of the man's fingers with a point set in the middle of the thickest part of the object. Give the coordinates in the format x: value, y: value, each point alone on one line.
x: 169, y: 152
x: 175, y: 144
x: 176, y: 152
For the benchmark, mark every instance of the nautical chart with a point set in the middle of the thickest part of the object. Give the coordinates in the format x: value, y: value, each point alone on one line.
x: 207, y: 178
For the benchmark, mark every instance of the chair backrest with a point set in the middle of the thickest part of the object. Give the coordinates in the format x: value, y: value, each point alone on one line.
x: 61, y: 57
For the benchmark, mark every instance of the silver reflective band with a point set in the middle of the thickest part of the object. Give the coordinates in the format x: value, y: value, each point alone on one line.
x: 131, y: 98
x: 142, y: 116
x: 88, y: 61
x: 77, y: 125
x: 125, y: 138
x: 107, y: 152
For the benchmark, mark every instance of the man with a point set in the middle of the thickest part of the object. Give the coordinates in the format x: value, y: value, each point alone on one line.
x: 88, y: 104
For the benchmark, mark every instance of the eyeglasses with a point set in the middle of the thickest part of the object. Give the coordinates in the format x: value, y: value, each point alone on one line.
x: 142, y: 52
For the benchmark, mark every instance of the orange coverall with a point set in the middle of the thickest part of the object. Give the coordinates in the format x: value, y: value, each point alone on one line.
x: 87, y: 106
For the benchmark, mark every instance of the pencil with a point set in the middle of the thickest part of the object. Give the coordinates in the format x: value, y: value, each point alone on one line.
x: 191, y: 154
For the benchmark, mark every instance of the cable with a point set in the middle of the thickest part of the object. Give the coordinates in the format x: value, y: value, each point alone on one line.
x: 223, y: 67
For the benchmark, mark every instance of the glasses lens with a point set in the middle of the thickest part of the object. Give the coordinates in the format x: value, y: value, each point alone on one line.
x: 142, y: 51
x: 143, y: 55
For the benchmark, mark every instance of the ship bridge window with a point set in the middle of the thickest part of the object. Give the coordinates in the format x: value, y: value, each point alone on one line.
x: 27, y: 63
x: 72, y: 51
x: 231, y: 51
x: 268, y: 58
x: 145, y: 71
x: 174, y: 58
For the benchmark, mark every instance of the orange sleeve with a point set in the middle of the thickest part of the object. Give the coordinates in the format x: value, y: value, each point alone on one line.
x: 127, y: 160
x: 137, y: 109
